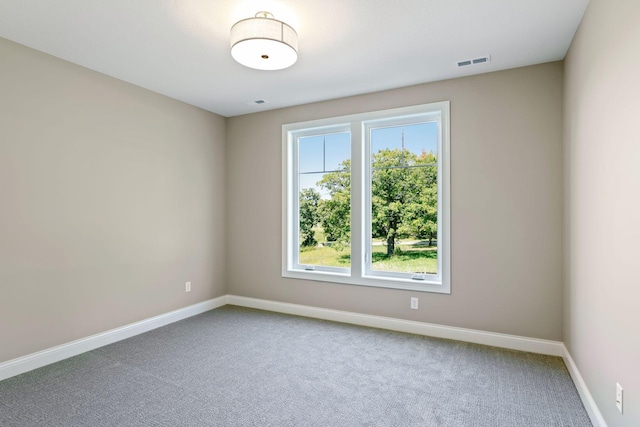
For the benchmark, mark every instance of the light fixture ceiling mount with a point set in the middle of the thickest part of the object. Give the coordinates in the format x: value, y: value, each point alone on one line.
x: 264, y: 43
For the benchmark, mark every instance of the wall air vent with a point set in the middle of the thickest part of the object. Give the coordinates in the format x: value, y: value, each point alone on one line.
x: 474, y: 61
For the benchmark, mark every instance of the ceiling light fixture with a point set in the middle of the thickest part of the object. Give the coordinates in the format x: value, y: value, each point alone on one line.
x: 264, y: 43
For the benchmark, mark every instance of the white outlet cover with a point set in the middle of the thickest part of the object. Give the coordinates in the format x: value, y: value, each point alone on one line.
x: 619, y: 394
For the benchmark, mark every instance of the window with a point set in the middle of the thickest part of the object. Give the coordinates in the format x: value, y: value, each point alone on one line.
x: 324, y: 203
x: 366, y: 199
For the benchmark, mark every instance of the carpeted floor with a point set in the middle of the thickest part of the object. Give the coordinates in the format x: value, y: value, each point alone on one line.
x: 240, y: 367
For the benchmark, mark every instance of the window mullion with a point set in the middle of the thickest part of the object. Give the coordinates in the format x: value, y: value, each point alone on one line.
x: 366, y: 206
x: 357, y: 200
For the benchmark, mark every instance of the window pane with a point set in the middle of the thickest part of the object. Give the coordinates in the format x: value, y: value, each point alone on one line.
x: 338, y: 149
x: 388, y: 138
x: 311, y: 158
x: 404, y: 199
x: 325, y: 200
x: 421, y: 138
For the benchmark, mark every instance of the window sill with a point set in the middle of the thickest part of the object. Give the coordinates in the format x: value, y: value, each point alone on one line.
x: 372, y: 281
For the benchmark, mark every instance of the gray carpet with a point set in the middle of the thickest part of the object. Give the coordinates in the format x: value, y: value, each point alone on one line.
x: 240, y: 367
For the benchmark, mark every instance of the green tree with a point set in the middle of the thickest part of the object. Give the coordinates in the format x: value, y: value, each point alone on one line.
x: 309, y: 215
x: 335, y: 212
x: 404, y: 198
x: 393, y: 187
x: 421, y: 216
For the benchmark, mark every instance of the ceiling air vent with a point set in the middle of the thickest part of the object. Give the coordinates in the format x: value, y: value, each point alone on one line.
x: 257, y: 102
x: 474, y: 61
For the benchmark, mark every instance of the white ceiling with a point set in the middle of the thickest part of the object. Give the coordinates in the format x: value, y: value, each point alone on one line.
x: 180, y: 48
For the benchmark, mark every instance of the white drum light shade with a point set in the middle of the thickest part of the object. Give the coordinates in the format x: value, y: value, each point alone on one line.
x: 264, y: 43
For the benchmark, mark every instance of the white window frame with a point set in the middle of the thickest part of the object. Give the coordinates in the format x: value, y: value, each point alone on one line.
x: 360, y: 272
x: 295, y: 201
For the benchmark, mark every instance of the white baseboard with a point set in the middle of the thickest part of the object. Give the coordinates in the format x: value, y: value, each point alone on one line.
x: 514, y: 342
x: 587, y: 400
x: 37, y: 360
x: 553, y: 348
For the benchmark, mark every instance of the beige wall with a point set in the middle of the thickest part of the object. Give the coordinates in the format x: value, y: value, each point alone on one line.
x: 506, y: 144
x: 602, y: 205
x: 111, y: 197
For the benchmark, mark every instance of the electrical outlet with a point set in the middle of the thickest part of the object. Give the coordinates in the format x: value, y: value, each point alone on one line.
x: 414, y: 303
x: 619, y: 393
x: 187, y: 287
